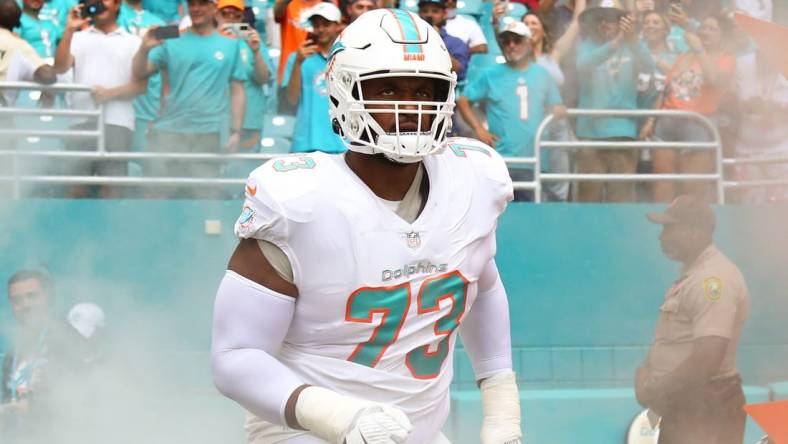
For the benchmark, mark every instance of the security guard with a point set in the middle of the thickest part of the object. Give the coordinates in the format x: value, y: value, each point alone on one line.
x: 689, y: 376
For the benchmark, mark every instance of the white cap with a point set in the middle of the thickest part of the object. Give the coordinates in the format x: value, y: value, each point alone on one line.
x: 326, y: 10
x: 516, y: 27
x: 86, y: 318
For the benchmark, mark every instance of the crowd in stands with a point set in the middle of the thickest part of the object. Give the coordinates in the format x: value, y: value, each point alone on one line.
x: 207, y: 85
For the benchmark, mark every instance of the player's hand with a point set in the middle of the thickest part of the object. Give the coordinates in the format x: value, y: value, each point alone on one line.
x: 486, y: 137
x: 379, y: 425
x: 75, y: 21
x: 149, y: 40
x: 253, y: 39
x: 341, y: 419
x: 501, y: 408
x: 307, y: 49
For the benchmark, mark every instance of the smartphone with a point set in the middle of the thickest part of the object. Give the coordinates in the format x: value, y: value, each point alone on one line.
x: 92, y: 8
x: 239, y: 29
x: 311, y: 36
x: 167, y: 32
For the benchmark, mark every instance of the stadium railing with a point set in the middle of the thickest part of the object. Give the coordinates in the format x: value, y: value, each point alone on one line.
x: 714, y: 144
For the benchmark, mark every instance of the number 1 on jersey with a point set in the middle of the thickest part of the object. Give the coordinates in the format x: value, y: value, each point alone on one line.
x: 522, y: 93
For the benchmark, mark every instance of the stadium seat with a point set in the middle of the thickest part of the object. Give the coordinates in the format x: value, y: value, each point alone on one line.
x: 278, y: 126
x: 410, y: 5
x: 469, y: 7
x: 274, y: 145
x: 479, y: 62
x: 516, y: 10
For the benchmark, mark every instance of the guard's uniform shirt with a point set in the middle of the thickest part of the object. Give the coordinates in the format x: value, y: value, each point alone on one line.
x: 709, y: 299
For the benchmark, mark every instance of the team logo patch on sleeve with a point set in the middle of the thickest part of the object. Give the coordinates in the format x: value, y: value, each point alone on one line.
x: 712, y: 288
x: 246, y: 219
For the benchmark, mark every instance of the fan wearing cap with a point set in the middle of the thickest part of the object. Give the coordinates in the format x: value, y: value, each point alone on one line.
x: 254, y: 56
x: 305, y: 83
x: 609, y: 63
x: 434, y: 13
x: 518, y: 93
x: 689, y: 376
x: 204, y: 85
x: 294, y: 24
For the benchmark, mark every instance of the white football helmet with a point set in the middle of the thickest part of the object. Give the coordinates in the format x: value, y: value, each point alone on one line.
x: 389, y: 43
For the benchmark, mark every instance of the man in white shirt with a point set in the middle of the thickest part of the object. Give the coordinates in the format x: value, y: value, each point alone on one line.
x: 465, y: 29
x: 100, y: 52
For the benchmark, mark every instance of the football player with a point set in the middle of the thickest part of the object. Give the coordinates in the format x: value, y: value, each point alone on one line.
x: 337, y: 317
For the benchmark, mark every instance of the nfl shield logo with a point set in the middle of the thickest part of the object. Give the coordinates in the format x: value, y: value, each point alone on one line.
x: 414, y: 240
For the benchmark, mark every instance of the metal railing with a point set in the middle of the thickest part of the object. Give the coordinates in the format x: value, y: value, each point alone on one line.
x: 536, y: 185
x: 715, y: 144
x: 98, y: 114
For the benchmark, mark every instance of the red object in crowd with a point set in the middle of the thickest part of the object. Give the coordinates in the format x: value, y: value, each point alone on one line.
x: 531, y: 4
x: 773, y: 419
x: 769, y: 37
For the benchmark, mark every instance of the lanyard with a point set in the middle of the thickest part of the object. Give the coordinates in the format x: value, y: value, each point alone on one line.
x: 20, y: 377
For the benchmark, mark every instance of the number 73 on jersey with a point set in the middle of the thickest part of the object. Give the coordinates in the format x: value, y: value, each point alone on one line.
x: 393, y: 304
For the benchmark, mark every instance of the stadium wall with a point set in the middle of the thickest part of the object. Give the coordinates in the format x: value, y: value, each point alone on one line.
x: 585, y: 284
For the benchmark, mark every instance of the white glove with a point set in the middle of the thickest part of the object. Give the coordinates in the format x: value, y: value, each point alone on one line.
x: 501, y: 408
x: 344, y: 419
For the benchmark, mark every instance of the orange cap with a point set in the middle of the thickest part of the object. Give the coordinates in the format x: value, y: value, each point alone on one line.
x: 237, y: 4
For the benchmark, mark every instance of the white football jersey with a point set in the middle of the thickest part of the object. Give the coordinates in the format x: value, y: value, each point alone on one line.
x: 379, y: 299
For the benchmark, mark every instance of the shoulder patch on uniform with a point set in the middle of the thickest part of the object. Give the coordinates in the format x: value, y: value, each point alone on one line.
x: 712, y: 288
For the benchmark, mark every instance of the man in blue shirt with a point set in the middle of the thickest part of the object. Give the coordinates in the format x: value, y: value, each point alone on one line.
x: 434, y: 13
x: 202, y: 85
x: 305, y: 83
x: 609, y: 64
x: 517, y: 93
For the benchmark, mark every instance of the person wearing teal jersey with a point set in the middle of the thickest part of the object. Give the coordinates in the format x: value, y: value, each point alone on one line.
x: 305, y: 84
x: 202, y: 85
x: 258, y: 71
x: 611, y: 64
x: 43, y: 35
x: 136, y: 20
x: 56, y: 11
x: 517, y: 94
x: 171, y: 11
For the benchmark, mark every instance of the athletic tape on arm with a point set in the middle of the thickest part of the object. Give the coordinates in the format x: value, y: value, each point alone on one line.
x: 485, y: 330
x: 249, y: 325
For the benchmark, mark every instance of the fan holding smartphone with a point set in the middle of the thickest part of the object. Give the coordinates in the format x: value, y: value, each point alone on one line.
x: 99, y: 51
x: 231, y: 18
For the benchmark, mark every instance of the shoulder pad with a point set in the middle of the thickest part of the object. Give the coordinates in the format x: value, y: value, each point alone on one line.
x: 483, y: 158
x: 473, y: 158
x: 280, y: 190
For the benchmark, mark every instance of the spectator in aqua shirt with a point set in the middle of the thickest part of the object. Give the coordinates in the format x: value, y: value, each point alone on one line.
x: 43, y: 35
x: 305, y: 83
x: 517, y: 94
x: 56, y: 11
x: 203, y: 85
x: 609, y: 64
x: 258, y: 71
x: 171, y: 11
x: 137, y: 20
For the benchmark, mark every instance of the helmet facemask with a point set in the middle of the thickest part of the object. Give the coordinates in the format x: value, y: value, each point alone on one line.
x: 359, y: 127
